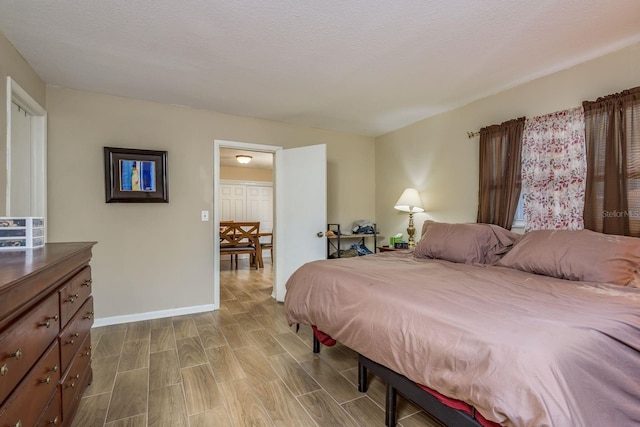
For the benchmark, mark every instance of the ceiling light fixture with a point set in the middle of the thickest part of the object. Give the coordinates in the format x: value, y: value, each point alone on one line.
x: 243, y: 159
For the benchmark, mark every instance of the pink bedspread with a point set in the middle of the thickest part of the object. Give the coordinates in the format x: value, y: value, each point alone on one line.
x: 523, y: 349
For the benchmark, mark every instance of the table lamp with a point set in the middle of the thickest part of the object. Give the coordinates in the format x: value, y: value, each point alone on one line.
x: 410, y: 202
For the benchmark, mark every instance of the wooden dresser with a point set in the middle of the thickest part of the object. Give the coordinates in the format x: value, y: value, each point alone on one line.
x: 46, y: 313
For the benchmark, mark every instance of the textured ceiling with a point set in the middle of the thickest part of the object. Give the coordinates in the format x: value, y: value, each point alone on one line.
x: 360, y: 66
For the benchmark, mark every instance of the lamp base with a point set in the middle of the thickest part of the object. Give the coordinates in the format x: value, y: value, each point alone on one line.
x: 411, y: 231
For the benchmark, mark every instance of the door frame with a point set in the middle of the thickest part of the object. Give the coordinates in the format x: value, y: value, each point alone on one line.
x: 16, y: 94
x: 278, y: 294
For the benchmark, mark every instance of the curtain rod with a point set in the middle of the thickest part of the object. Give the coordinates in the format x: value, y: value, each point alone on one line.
x: 472, y: 134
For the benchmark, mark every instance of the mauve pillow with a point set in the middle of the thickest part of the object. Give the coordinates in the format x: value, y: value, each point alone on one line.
x: 582, y: 255
x: 464, y: 243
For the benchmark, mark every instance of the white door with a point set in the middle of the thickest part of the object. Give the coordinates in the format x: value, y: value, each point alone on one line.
x: 20, y: 163
x: 260, y: 208
x: 233, y: 202
x: 301, y: 210
x: 260, y: 205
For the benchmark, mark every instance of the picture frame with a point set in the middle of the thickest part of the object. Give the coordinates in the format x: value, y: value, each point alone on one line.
x: 135, y: 176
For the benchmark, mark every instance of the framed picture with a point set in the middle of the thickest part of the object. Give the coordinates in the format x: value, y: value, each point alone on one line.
x: 135, y: 176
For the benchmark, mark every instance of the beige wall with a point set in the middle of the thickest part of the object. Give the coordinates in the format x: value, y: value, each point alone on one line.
x: 436, y: 157
x: 160, y: 256
x: 246, y: 174
x: 12, y: 64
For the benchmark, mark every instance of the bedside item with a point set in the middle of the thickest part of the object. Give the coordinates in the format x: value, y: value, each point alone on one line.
x: 21, y: 233
x: 394, y: 239
x: 409, y: 201
x: 401, y: 245
x: 335, y: 236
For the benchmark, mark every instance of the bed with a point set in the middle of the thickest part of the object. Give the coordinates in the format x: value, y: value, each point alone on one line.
x: 540, y: 330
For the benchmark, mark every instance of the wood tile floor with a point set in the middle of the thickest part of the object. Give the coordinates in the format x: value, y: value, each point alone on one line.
x: 239, y: 366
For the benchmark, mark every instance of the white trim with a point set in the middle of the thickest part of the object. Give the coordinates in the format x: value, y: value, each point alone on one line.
x: 7, y: 190
x: 249, y: 183
x: 518, y: 223
x: 23, y: 99
x: 116, y: 320
x: 278, y: 225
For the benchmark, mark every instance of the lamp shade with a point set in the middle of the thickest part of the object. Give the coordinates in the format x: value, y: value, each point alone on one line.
x: 409, y: 201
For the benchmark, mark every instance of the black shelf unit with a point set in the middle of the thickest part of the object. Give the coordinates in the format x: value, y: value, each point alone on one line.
x: 334, y: 241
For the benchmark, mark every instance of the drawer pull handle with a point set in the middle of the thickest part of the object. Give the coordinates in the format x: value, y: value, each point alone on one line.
x: 75, y: 335
x: 4, y: 370
x: 87, y: 283
x: 76, y: 376
x: 46, y: 381
x: 73, y: 298
x: 17, y: 354
x: 54, y: 369
x: 47, y: 324
x: 72, y: 385
x: 71, y: 342
x: 53, y: 421
x: 89, y: 315
x: 18, y: 424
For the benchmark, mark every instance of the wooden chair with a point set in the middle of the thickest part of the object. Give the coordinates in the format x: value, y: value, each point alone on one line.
x: 238, y: 238
x: 269, y: 244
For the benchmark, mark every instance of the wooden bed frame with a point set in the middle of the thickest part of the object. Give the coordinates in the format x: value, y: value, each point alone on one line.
x: 409, y: 389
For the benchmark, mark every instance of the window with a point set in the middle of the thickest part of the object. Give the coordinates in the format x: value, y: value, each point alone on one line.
x: 518, y: 218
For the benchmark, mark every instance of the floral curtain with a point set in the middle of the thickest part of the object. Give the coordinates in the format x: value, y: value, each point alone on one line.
x: 554, y: 171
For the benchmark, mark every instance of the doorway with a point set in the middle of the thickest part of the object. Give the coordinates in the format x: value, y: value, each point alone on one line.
x: 26, y: 155
x: 300, y: 209
x: 246, y: 194
x: 236, y: 207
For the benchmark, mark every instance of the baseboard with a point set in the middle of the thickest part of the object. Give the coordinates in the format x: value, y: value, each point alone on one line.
x: 116, y: 320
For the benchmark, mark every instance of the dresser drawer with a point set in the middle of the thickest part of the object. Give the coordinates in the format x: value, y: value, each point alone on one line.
x: 22, y: 343
x: 29, y: 400
x: 75, y: 380
x: 74, y: 334
x: 73, y: 294
x: 52, y: 415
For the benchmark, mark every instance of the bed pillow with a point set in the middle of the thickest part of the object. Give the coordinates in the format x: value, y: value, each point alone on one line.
x: 464, y: 243
x: 576, y: 255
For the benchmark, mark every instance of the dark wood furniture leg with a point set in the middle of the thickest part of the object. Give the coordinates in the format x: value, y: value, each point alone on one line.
x: 316, y: 344
x: 363, y: 384
x: 390, y: 411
